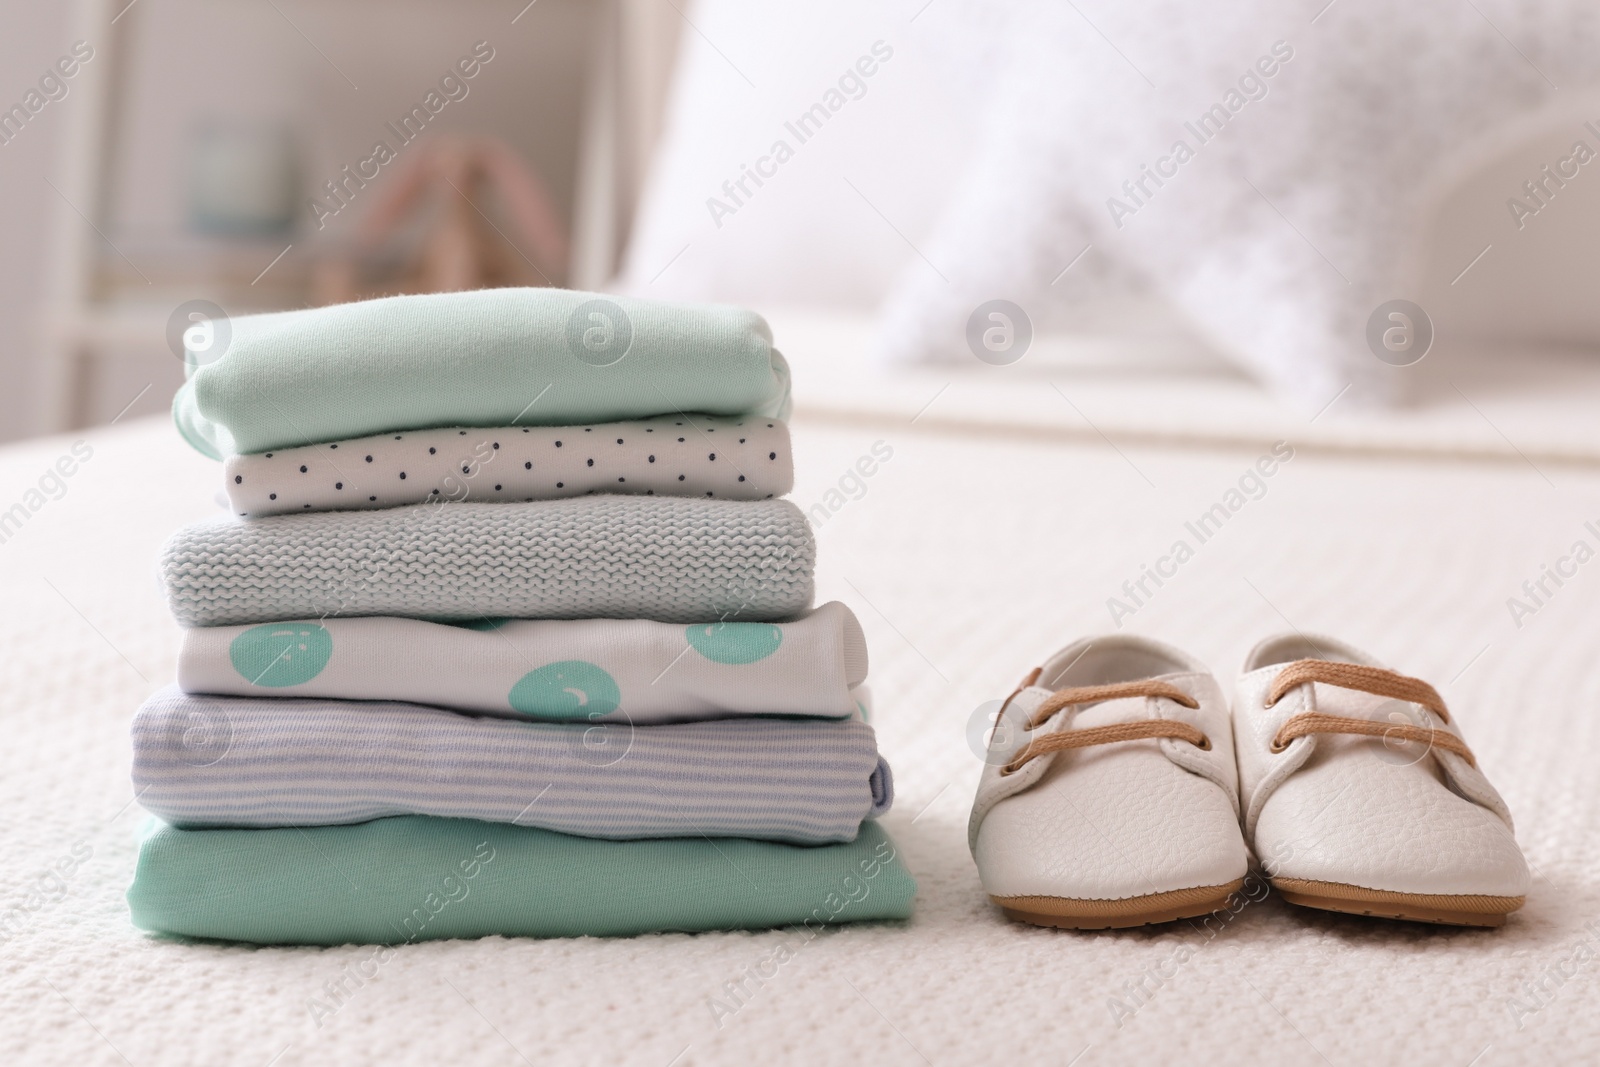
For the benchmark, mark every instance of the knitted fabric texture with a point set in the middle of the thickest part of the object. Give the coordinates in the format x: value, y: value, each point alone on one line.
x: 240, y: 761
x: 657, y: 558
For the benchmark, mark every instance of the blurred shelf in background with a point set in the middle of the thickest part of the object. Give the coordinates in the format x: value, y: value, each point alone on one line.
x: 193, y: 118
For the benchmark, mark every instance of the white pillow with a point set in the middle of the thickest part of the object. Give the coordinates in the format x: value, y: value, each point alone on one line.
x: 1011, y: 136
x: 1293, y: 220
x: 746, y: 76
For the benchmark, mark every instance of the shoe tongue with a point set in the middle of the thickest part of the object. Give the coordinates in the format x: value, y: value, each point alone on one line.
x: 1110, y: 712
x: 1403, y: 755
x: 1104, y: 713
x: 1354, y: 704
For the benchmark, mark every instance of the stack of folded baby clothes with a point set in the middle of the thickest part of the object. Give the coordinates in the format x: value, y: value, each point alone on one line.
x: 509, y: 632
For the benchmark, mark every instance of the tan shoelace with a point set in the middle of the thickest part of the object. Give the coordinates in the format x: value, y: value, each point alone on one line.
x: 1142, y: 730
x: 1374, y: 680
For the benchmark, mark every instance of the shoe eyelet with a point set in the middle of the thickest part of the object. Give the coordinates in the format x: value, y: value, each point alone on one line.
x: 1268, y: 704
x: 1278, y: 747
x: 1204, y: 744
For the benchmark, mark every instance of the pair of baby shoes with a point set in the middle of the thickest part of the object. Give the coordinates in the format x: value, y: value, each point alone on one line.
x: 1118, y: 790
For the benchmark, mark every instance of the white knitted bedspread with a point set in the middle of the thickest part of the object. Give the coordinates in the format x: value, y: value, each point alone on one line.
x: 968, y: 560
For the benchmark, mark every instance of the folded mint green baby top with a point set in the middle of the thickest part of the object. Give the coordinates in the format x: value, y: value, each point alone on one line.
x: 494, y: 357
x: 417, y: 878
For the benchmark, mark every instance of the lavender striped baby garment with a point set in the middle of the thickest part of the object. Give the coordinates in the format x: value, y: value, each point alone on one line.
x: 239, y: 761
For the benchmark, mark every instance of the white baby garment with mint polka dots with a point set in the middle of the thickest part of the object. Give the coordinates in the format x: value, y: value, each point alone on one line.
x: 594, y: 670
x: 741, y: 458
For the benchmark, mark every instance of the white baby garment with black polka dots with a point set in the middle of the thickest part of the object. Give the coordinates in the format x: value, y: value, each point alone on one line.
x: 738, y: 458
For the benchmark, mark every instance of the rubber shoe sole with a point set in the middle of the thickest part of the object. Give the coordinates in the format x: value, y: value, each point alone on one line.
x: 1076, y: 914
x: 1442, y: 908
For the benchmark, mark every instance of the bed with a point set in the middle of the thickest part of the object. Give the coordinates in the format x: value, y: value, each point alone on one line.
x: 999, y: 517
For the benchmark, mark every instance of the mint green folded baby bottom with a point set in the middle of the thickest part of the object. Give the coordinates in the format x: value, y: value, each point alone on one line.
x: 417, y: 878
x: 494, y: 357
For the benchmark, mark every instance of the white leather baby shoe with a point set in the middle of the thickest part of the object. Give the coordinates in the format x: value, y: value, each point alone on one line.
x: 1359, y: 794
x: 1109, y: 795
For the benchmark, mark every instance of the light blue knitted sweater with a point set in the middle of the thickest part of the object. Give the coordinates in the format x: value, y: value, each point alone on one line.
x: 672, y: 560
